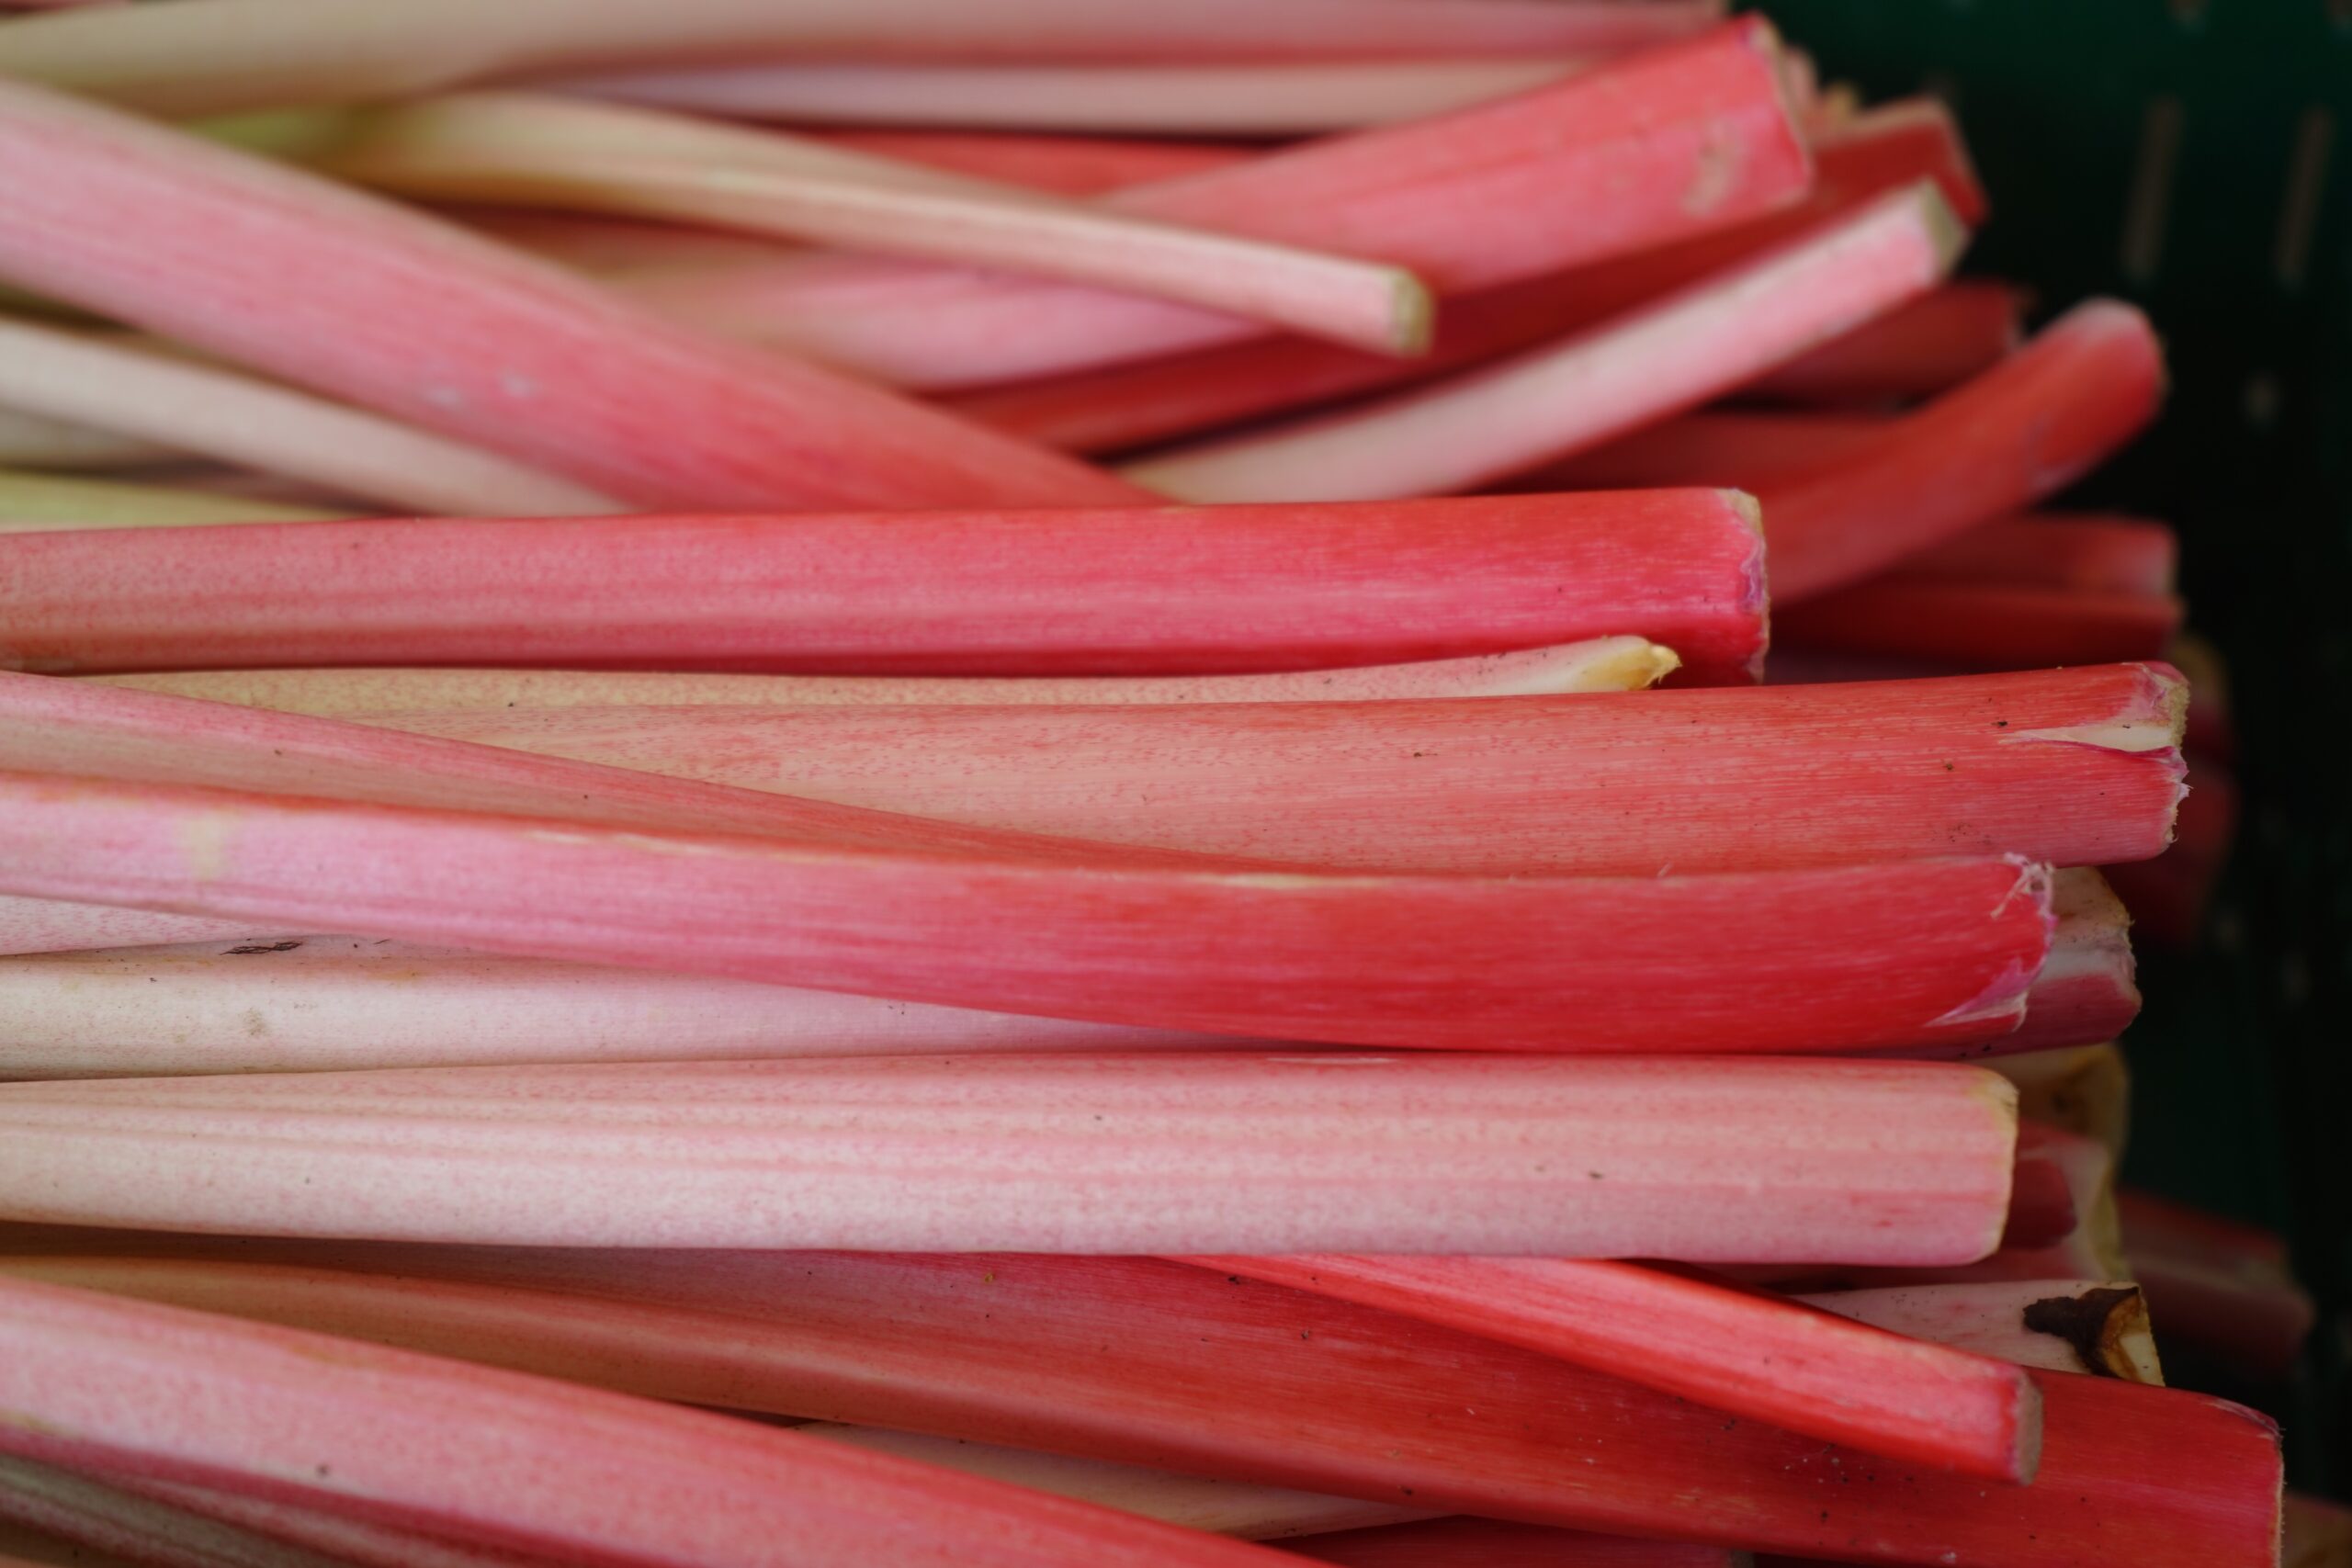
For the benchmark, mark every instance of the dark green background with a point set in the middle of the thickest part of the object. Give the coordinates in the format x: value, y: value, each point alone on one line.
x: 2240, y: 1059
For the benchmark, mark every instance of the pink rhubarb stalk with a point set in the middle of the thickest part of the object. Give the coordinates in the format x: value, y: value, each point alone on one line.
x: 1138, y: 1359
x: 218, y: 413
x: 541, y: 150
x: 2026, y: 428
x: 1128, y: 405
x: 132, y: 1388
x: 1742, y: 1351
x: 2078, y: 767
x: 1920, y: 953
x: 1735, y: 447
x: 301, y: 1004
x: 2061, y: 1325
x: 1674, y: 141
x: 1927, y: 347
x: 352, y: 296
x: 1552, y: 401
x: 1600, y: 664
x: 1068, y: 593
x: 241, y: 54
x: 1901, y: 1163
x: 1176, y: 99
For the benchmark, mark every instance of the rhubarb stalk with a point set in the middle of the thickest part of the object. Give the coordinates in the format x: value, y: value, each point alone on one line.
x: 1068, y: 593
x: 1753, y: 1355
x: 1601, y: 664
x: 37, y: 504
x: 2078, y: 767
x: 1925, y: 953
x: 1927, y: 347
x: 359, y: 299
x: 1658, y: 361
x: 2060, y: 1325
x: 238, y: 419
x: 540, y: 150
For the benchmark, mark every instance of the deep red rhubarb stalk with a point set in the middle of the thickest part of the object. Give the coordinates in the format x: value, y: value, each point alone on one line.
x: 2226, y: 1289
x: 354, y: 297
x: 238, y: 55
x: 1601, y: 664
x: 541, y: 150
x: 1901, y: 1163
x: 1737, y: 448
x: 1927, y: 347
x: 1069, y: 593
x: 1552, y: 401
x: 1928, y: 952
x: 1495, y: 1543
x: 1679, y: 140
x: 218, y: 413
x: 2057, y: 549
x: 2078, y: 767
x: 1175, y: 99
x: 1982, y: 625
x: 1344, y: 1399
x: 141, y: 1390
x: 2063, y: 1325
x: 1756, y: 1356
x: 2023, y: 430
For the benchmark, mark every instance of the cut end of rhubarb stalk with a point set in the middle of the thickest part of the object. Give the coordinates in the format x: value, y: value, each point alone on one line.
x: 2006, y: 998
x: 2106, y: 1326
x: 1412, y: 314
x: 1757, y: 595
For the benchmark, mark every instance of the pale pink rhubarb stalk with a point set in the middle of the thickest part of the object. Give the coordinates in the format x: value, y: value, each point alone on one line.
x: 1920, y: 953
x: 1128, y: 405
x: 2029, y: 427
x: 2078, y: 767
x: 2061, y: 1325
x: 1137, y: 1359
x: 226, y: 55
x: 45, y: 925
x: 1901, y: 1164
x: 1188, y: 100
x: 239, y: 419
x: 1552, y: 401
x: 1982, y: 625
x: 352, y: 296
x: 542, y: 150
x: 1497, y: 1544
x: 1674, y: 141
x: 39, y: 443
x: 1601, y: 664
x: 135, y: 1389
x: 305, y: 1004
x: 1752, y: 1355
x: 1081, y: 591
x: 35, y: 504
x: 1927, y: 347
x: 1067, y: 165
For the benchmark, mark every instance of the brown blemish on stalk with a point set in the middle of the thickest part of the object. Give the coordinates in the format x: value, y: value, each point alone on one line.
x: 2095, y: 1323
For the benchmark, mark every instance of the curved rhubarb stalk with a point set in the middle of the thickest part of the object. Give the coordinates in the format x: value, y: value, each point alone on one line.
x: 239, y: 55
x: 1068, y: 593
x: 1600, y: 664
x: 1925, y: 348
x: 2078, y: 767
x: 379, y: 305
x: 1138, y: 1359
x: 1679, y: 140
x: 1067, y: 165
x: 39, y: 503
x: 218, y: 413
x: 1919, y: 952
x: 2026, y: 428
x: 2061, y: 1325
x: 1904, y: 1164
x: 1177, y: 100
x: 542, y: 150
x: 1650, y: 363
x: 1736, y: 1349
x: 144, y: 1390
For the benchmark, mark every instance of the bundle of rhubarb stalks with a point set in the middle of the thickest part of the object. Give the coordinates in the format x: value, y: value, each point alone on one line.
x: 792, y: 781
